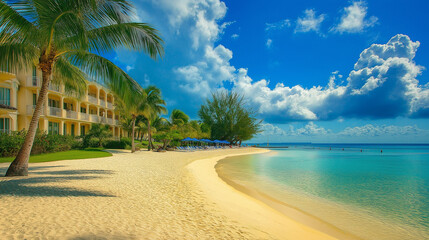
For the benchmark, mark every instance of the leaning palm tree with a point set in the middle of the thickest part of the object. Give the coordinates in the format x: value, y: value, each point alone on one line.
x: 132, y: 105
x: 154, y: 106
x: 64, y: 40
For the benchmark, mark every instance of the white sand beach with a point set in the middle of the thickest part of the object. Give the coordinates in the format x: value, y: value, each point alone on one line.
x: 146, y: 195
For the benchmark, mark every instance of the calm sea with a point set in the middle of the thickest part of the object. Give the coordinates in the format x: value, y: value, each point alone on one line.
x: 355, y: 188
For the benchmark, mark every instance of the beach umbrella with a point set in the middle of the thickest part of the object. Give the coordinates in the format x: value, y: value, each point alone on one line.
x: 187, y: 139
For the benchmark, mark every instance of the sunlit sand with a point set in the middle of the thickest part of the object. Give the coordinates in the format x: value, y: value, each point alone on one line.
x: 145, y: 195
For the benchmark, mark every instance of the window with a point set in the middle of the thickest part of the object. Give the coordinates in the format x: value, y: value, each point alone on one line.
x: 54, y: 128
x: 82, y: 130
x: 4, y: 125
x: 65, y: 129
x: 5, y: 96
x: 82, y: 110
x: 34, y: 76
x: 53, y: 103
x: 72, y: 130
x: 34, y: 99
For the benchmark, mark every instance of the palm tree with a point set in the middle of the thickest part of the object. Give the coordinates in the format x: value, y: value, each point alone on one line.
x: 142, y: 129
x: 64, y: 39
x: 154, y: 106
x: 178, y: 117
x: 132, y: 105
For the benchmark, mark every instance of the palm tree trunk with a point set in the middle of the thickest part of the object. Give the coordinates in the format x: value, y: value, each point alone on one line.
x: 19, y: 166
x: 133, y: 147
x: 149, y: 136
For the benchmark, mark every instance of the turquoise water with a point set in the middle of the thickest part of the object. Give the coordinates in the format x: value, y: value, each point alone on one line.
x: 392, y: 186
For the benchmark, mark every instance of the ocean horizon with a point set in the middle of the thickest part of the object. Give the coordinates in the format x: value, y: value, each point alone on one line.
x: 352, y: 187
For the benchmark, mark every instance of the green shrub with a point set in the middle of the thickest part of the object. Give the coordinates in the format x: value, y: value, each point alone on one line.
x: 10, y: 144
x: 127, y: 141
x: 111, y: 144
x: 43, y: 143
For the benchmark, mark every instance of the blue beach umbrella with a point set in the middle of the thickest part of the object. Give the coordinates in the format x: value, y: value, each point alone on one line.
x: 187, y: 139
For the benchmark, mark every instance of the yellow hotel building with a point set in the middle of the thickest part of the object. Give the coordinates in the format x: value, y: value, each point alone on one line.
x: 61, y: 113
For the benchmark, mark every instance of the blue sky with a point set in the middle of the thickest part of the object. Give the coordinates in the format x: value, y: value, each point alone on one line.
x: 320, y: 71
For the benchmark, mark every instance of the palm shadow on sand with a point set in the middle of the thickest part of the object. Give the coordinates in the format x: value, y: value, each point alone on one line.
x: 28, y: 186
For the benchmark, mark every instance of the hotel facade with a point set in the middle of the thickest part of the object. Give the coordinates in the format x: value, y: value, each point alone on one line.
x: 61, y: 113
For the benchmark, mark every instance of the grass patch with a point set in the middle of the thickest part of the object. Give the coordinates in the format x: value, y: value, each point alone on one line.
x: 66, y: 155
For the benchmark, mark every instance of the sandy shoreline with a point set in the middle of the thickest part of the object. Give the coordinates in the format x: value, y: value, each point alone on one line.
x: 137, y: 196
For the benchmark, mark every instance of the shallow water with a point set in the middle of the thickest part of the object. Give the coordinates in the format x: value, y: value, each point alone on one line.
x: 369, y: 194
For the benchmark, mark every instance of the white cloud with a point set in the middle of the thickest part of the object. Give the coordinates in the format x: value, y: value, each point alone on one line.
x: 309, y: 22
x: 382, y: 85
x: 270, y: 129
x: 129, y: 68
x: 208, y: 74
x: 277, y: 25
x: 354, y: 19
x: 384, y: 130
x: 310, y: 129
x: 235, y: 36
x: 268, y: 43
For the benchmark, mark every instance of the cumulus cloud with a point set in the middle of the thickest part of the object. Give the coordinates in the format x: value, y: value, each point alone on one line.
x: 383, y: 84
x: 208, y: 74
x: 310, y: 129
x: 384, y: 130
x: 270, y: 129
x: 354, y: 19
x: 278, y: 25
x: 309, y: 22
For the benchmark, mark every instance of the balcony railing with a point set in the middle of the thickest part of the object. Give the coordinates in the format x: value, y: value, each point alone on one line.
x: 34, y: 81
x: 71, y: 114
x: 92, y: 99
x: 109, y: 105
x: 30, y: 110
x: 110, y: 121
x: 53, y: 111
x: 95, y: 118
x: 102, y: 102
x: 54, y: 87
x: 103, y: 119
x: 117, y: 122
x: 84, y: 116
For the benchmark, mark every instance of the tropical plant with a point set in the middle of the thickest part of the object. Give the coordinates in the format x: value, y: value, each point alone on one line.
x: 167, y: 137
x: 153, y: 107
x: 100, y: 132
x: 63, y: 39
x: 178, y: 117
x: 229, y: 118
x: 132, y: 106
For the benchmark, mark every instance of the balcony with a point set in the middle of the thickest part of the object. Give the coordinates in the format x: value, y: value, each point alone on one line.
x: 117, y: 122
x: 34, y: 82
x: 5, y: 102
x: 109, y: 105
x: 30, y: 110
x: 54, y: 87
x: 92, y: 99
x: 84, y: 116
x: 110, y: 121
x: 103, y: 119
x: 102, y: 103
x: 95, y: 118
x: 56, y: 112
x: 71, y: 114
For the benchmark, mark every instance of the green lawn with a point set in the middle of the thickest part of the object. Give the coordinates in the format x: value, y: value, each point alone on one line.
x: 67, y: 155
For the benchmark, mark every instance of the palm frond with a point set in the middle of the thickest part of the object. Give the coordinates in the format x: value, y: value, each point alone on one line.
x: 73, y: 79
x: 17, y: 56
